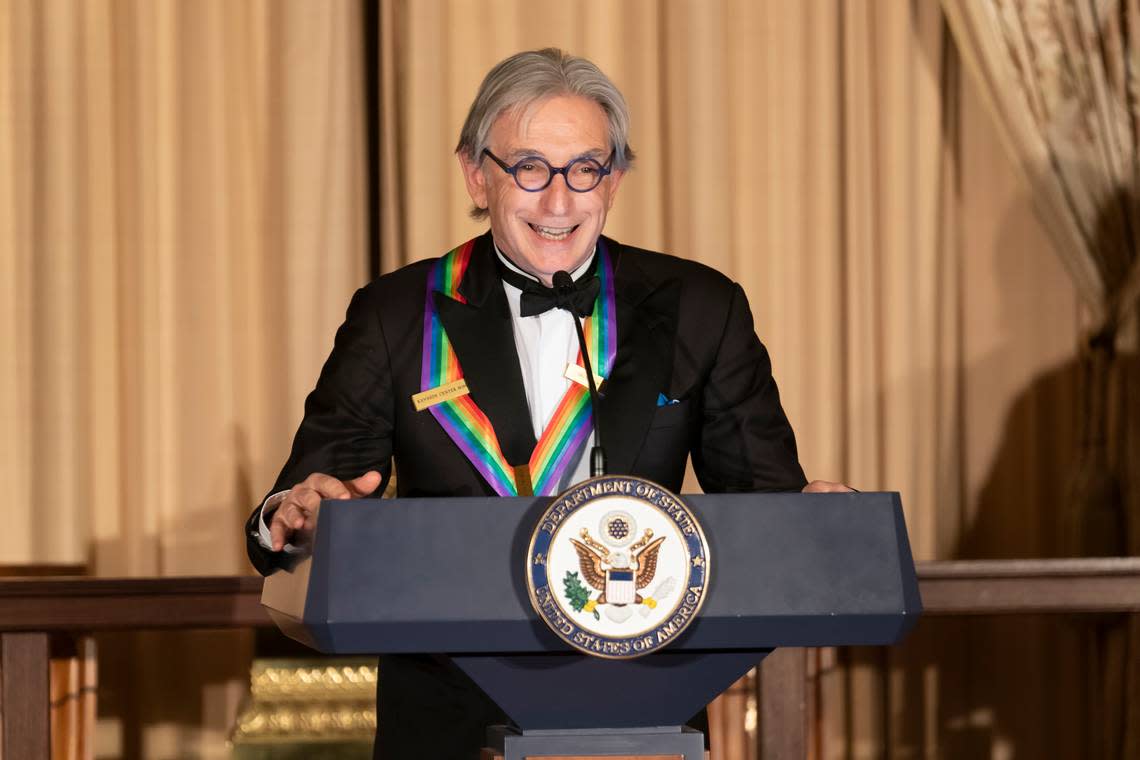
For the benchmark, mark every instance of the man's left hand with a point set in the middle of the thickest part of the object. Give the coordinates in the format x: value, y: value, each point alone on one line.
x: 826, y: 486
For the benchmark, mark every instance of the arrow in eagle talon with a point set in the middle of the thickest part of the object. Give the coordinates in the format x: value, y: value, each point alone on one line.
x: 664, y: 588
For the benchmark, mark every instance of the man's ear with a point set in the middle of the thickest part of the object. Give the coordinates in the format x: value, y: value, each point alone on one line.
x: 474, y: 178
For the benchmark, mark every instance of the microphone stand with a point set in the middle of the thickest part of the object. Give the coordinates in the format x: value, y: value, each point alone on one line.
x: 564, y: 284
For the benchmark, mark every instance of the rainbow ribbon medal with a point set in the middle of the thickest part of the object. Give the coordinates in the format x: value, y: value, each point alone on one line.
x: 467, y: 425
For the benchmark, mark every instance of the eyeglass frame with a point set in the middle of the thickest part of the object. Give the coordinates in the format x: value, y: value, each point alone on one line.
x: 604, y: 170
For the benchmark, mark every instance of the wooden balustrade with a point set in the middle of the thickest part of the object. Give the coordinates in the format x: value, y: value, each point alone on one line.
x: 33, y: 609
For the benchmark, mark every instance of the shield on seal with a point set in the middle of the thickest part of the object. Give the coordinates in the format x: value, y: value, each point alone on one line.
x: 620, y: 586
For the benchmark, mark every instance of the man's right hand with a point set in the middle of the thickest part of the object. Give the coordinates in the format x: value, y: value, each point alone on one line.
x: 296, y: 510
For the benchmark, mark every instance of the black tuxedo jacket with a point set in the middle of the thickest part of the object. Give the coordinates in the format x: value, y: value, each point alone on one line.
x: 684, y: 330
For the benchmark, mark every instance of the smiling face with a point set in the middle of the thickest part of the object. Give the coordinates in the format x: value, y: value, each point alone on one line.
x: 556, y: 228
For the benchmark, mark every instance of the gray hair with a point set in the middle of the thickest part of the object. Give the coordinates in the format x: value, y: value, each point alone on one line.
x: 530, y: 77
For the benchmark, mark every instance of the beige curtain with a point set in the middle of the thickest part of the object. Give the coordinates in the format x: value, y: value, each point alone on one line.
x: 831, y: 157
x: 182, y: 216
x: 182, y: 220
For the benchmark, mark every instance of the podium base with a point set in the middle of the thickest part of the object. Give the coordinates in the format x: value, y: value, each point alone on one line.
x: 656, y: 743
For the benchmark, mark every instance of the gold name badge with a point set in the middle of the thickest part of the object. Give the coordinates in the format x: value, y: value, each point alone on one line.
x: 577, y: 373
x: 439, y: 394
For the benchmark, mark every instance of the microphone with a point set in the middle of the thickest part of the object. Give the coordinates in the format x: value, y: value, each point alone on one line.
x: 564, y: 287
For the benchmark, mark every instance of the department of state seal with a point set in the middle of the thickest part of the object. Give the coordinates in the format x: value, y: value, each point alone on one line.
x: 618, y: 566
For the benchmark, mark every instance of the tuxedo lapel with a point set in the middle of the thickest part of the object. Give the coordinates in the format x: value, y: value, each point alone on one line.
x: 647, y: 328
x: 481, y: 334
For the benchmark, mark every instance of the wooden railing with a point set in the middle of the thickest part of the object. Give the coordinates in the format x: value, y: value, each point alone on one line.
x: 983, y: 587
x: 34, y: 609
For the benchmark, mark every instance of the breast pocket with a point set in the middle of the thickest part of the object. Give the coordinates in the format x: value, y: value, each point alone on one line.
x: 666, y: 446
x: 670, y: 415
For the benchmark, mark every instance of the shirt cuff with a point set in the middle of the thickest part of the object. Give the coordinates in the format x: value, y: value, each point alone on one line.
x: 268, y: 506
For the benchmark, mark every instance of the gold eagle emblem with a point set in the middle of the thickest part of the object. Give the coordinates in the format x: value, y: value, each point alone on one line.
x: 612, y: 572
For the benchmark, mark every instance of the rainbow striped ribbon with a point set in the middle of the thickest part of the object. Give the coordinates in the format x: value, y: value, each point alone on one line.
x: 467, y: 425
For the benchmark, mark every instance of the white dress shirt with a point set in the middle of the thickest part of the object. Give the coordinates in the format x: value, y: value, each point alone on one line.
x: 545, y: 344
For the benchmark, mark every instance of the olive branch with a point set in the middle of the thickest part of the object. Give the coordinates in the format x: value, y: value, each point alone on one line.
x: 577, y: 594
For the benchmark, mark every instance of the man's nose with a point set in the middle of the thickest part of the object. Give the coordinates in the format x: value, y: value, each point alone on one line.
x: 557, y: 196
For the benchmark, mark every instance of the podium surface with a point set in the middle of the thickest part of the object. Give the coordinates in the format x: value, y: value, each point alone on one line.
x: 447, y: 576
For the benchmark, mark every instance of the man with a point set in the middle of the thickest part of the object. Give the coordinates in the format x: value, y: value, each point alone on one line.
x: 543, y: 152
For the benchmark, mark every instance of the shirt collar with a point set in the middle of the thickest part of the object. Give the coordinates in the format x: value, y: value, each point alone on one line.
x: 581, y: 270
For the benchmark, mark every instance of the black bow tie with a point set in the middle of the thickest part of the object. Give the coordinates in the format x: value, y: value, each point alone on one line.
x: 537, y: 298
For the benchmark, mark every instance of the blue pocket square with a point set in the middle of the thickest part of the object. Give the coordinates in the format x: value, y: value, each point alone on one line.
x: 663, y: 400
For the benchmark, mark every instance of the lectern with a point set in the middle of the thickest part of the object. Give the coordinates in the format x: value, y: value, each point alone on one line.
x: 396, y: 576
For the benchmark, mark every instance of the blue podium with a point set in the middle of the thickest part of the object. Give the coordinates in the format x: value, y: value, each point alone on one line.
x: 396, y: 576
